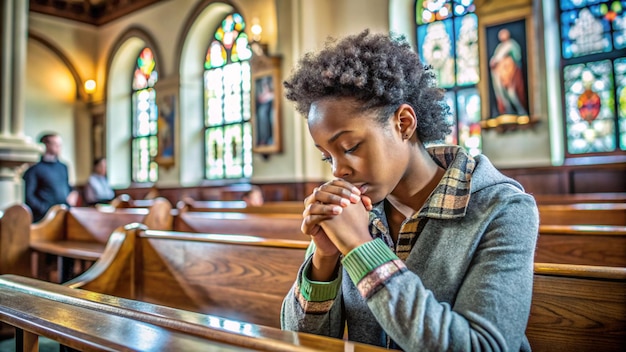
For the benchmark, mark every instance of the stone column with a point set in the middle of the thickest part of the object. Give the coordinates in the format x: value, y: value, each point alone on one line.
x: 16, y: 150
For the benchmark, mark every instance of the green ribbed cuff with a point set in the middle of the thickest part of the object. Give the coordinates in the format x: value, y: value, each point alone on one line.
x: 367, y: 257
x: 317, y: 291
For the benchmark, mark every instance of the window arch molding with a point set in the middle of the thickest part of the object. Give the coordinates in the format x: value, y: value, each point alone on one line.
x: 120, y: 65
x: 197, y: 33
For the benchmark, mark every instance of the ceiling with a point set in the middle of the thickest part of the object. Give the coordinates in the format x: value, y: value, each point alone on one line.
x: 95, y: 12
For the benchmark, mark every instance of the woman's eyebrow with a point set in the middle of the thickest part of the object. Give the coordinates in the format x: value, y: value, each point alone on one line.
x: 337, y: 135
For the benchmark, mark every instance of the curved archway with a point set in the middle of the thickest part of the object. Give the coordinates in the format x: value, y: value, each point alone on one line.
x: 120, y: 66
x: 80, y: 93
x: 56, y: 101
x: 193, y: 45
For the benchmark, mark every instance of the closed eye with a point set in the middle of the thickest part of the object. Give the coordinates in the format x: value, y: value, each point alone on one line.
x: 351, y: 150
x: 327, y: 159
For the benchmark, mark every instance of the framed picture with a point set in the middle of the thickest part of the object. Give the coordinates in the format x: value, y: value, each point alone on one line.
x: 166, y: 125
x: 265, y: 102
x: 506, y: 64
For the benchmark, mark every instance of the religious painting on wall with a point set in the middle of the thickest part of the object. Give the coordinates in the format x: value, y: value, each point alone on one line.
x: 508, y: 86
x: 166, y: 135
x: 507, y: 68
x: 265, y: 99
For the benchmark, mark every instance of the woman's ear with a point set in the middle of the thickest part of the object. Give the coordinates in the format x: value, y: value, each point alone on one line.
x: 406, y: 120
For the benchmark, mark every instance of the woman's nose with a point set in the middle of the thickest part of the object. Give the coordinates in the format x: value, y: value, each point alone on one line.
x: 340, y: 168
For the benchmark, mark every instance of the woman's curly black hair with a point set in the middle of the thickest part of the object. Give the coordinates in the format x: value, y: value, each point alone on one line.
x: 380, y: 72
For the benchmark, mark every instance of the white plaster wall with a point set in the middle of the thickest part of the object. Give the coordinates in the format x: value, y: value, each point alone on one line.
x: 50, y: 101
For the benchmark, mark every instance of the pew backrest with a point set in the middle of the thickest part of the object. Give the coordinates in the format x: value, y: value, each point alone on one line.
x: 560, y: 199
x: 96, y: 224
x: 602, y: 245
x: 125, y: 201
x: 578, y: 308
x: 583, y: 214
x: 282, y: 226
x: 282, y: 207
x: 234, y: 276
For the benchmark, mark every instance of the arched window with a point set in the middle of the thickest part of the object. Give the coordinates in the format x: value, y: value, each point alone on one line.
x: 228, y: 133
x: 593, y: 72
x: 144, y: 144
x: 447, y: 40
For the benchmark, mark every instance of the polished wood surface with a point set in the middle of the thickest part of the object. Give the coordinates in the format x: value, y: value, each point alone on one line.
x: 578, y: 308
x: 222, y: 274
x: 82, y: 250
x: 583, y: 214
x: 592, y: 175
x: 89, y: 321
x: 281, y: 226
x: 234, y: 276
x: 284, y: 207
x: 15, y: 241
x: 582, y: 244
x: 81, y: 233
x: 545, y: 199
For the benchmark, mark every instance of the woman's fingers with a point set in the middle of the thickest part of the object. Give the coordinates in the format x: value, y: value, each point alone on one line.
x: 339, y: 193
x: 367, y: 202
x: 310, y: 224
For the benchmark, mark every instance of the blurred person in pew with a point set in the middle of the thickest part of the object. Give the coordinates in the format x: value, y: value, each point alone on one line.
x: 46, y: 183
x: 413, y: 247
x: 98, y: 189
x: 253, y: 197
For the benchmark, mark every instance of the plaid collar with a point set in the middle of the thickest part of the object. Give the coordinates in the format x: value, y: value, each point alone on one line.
x: 448, y: 200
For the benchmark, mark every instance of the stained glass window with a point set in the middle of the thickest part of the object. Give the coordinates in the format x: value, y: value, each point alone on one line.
x: 144, y: 144
x: 447, y: 40
x: 593, y: 37
x: 228, y: 133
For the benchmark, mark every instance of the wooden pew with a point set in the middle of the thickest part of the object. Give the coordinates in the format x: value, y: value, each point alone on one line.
x: 582, y: 244
x: 89, y: 321
x: 286, y: 207
x: 583, y: 214
x: 15, y: 241
x: 282, y: 226
x: 14, y: 247
x: 80, y: 233
x: 574, y: 307
x: 237, y: 277
x: 124, y: 201
x: 560, y: 199
x: 578, y: 308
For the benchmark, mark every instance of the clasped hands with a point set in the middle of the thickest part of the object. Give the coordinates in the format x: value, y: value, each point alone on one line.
x: 336, y: 217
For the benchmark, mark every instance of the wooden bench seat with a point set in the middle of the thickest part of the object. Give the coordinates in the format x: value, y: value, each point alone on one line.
x: 81, y: 250
x: 582, y: 244
x: 88, y: 321
x: 583, y: 214
x: 282, y: 226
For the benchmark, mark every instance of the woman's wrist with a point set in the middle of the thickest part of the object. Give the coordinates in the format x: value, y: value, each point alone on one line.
x: 324, y: 268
